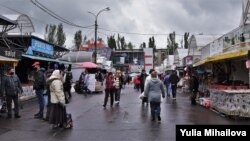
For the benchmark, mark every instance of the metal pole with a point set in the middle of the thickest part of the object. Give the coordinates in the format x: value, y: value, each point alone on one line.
x: 96, y: 15
x: 95, y: 53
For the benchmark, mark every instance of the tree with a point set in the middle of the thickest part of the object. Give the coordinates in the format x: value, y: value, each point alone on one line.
x: 151, y: 43
x: 123, y: 43
x: 112, y: 42
x: 118, y: 43
x: 61, y: 38
x: 78, y: 39
x: 130, y: 46
x: 143, y: 45
x: 172, y: 45
x: 186, y: 40
x: 54, y: 34
x: 50, y: 33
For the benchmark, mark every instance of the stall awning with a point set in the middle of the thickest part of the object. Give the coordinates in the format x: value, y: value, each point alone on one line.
x: 46, y: 59
x: 7, y: 59
x: 202, y: 62
x: 220, y: 57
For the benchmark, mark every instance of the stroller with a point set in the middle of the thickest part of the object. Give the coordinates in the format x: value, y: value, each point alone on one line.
x: 81, y: 88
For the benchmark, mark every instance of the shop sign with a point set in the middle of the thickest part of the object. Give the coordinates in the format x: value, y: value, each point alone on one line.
x: 42, y: 47
x: 11, y: 53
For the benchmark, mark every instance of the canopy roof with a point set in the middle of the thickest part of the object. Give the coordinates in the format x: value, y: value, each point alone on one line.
x: 24, y: 24
x: 6, y: 21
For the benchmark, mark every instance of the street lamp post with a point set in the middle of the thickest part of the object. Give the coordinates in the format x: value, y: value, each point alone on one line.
x: 96, y: 16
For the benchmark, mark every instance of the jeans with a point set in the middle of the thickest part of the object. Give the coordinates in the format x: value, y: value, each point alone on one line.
x: 155, y: 108
x: 117, y: 94
x: 9, y: 104
x: 39, y: 94
x: 108, y: 93
x: 174, y: 88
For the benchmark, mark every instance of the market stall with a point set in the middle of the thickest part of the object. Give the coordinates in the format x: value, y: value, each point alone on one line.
x: 231, y: 102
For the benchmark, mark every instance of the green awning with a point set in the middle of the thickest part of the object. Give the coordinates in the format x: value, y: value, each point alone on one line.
x: 46, y: 59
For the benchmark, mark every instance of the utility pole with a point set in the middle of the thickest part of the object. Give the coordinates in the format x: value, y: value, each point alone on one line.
x: 96, y: 16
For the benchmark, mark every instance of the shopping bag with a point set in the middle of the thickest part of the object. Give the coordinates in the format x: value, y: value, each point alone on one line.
x: 69, y: 121
x: 141, y: 96
x: 72, y: 90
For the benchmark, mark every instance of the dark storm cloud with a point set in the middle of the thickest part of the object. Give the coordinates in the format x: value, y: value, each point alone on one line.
x: 134, y: 16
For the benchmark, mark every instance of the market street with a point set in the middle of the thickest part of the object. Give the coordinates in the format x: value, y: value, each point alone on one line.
x: 128, y: 122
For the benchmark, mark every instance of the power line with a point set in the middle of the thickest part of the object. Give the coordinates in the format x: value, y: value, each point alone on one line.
x: 56, y: 16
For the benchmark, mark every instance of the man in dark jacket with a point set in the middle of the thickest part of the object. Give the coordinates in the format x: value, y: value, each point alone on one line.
x: 11, y: 87
x: 39, y: 86
x: 194, y: 86
x: 174, y: 79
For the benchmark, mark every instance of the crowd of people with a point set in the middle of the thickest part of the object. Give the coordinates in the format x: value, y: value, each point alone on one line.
x: 52, y: 89
x: 56, y: 85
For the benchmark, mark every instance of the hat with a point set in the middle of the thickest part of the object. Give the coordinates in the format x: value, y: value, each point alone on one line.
x: 36, y: 63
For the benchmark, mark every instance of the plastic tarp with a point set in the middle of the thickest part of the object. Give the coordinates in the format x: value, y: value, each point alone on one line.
x: 79, y: 56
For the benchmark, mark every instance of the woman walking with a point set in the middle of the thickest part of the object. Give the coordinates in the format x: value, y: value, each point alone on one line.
x: 154, y: 90
x: 109, y: 89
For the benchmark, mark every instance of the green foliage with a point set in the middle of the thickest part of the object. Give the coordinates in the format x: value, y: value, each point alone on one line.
x: 78, y: 39
x: 54, y: 34
x: 61, y: 38
x: 172, y: 45
x: 143, y: 45
x: 123, y: 43
x: 50, y: 33
x: 151, y: 43
x: 112, y: 42
x: 186, y: 40
x: 130, y: 46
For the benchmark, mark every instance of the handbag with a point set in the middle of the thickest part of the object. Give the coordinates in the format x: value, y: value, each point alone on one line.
x: 69, y: 121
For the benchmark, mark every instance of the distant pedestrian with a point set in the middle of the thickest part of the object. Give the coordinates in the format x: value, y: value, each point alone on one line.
x: 154, y: 91
x: 57, y: 115
x: 39, y: 86
x: 174, y: 79
x: 109, y: 89
x: 143, y: 77
x: 167, y: 83
x: 117, y: 86
x: 67, y: 82
x: 194, y: 86
x: 11, y: 88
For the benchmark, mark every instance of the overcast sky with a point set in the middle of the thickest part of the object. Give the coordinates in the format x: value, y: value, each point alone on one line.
x: 143, y: 18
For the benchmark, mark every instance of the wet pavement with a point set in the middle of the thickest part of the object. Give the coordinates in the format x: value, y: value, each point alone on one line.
x: 130, y: 121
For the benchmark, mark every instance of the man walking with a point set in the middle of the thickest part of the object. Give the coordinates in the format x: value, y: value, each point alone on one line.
x: 11, y: 87
x: 174, y: 79
x: 39, y: 86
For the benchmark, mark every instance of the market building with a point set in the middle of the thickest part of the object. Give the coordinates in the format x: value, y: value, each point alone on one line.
x: 225, y: 62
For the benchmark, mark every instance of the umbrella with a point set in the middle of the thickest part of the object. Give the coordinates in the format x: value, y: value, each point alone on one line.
x: 87, y: 65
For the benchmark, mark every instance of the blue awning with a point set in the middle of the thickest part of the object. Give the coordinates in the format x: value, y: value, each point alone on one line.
x: 46, y: 59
